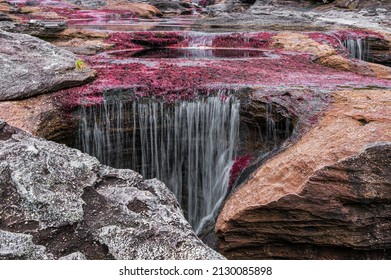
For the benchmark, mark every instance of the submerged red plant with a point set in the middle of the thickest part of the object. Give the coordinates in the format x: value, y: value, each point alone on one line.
x: 242, y: 40
x: 157, y: 39
x: 178, y: 78
x: 239, y: 165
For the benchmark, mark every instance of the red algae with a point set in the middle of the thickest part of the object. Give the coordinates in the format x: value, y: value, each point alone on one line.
x: 239, y: 165
x: 181, y: 78
x: 242, y: 40
x: 123, y: 40
x: 157, y: 39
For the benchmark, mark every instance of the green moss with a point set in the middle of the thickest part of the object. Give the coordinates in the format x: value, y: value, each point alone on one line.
x: 80, y: 65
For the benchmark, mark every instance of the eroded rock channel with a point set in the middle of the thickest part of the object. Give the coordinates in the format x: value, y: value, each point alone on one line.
x: 198, y: 147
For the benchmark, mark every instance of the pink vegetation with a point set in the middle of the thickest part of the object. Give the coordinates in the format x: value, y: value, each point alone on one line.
x: 180, y: 78
x: 122, y: 40
x: 132, y: 40
x: 241, y: 40
x: 157, y: 39
x: 239, y: 165
x: 149, y: 39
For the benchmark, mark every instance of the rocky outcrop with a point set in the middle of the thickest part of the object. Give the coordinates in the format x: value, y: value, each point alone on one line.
x: 39, y: 116
x: 327, y: 55
x: 327, y: 196
x: 380, y: 50
x: 5, y: 17
x: 31, y: 66
x: 38, y: 28
x: 88, y: 3
x: 60, y: 203
x: 143, y: 10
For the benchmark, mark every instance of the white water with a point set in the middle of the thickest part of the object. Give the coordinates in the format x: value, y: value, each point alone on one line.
x: 200, y: 40
x: 357, y: 48
x: 190, y: 145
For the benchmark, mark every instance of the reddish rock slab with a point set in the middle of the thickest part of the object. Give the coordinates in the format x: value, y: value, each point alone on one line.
x: 327, y: 196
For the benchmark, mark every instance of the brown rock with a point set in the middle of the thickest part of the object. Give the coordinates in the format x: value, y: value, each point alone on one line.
x: 326, y: 196
x: 70, y: 33
x: 380, y: 49
x: 327, y: 55
x: 47, y: 15
x: 298, y: 42
x: 29, y: 10
x: 5, y: 7
x: 36, y: 115
x: 84, y: 46
x: 143, y: 10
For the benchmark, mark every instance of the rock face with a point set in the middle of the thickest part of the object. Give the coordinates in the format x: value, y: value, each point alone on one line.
x: 31, y: 66
x: 143, y: 10
x: 329, y: 56
x: 60, y: 203
x: 326, y: 196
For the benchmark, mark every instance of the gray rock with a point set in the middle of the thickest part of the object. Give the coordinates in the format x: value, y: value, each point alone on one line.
x: 67, y: 201
x: 49, y: 194
x: 38, y: 28
x: 74, y: 256
x: 160, y: 226
x: 88, y: 3
x: 31, y: 66
x: 5, y: 17
x: 20, y: 246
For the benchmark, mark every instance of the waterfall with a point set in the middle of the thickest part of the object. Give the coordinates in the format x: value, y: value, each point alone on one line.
x: 357, y: 48
x: 198, y: 40
x: 189, y: 145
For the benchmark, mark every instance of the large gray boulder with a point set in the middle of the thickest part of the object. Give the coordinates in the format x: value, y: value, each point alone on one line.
x: 60, y: 203
x: 30, y: 66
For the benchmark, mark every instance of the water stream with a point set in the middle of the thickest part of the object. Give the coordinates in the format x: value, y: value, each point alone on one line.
x: 357, y: 48
x: 189, y: 145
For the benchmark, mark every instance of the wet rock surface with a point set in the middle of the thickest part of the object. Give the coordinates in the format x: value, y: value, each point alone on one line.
x: 319, y: 203
x: 31, y: 66
x: 323, y: 196
x: 60, y: 203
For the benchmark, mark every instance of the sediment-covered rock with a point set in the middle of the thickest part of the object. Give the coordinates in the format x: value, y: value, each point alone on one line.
x: 31, y: 66
x: 328, y: 196
x: 60, y: 203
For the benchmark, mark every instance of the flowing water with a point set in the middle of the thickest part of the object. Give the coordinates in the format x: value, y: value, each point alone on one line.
x: 357, y: 48
x: 189, y: 145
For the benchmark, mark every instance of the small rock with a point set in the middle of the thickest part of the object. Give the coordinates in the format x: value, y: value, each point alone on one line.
x: 74, y: 256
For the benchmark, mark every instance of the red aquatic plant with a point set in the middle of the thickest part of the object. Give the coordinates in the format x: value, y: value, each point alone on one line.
x: 239, y: 165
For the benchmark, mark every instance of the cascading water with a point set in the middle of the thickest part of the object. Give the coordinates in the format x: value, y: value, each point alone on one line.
x: 199, y: 40
x: 357, y: 48
x: 189, y: 145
